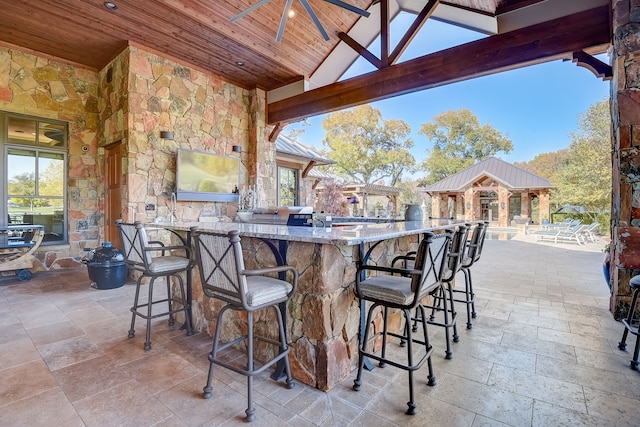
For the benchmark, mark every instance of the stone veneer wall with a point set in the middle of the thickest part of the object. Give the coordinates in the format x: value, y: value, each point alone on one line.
x: 625, y: 114
x: 46, y: 88
x: 132, y: 99
x: 204, y: 112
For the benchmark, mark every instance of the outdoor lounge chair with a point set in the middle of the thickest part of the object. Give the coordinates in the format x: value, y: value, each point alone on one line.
x: 590, y: 232
x: 572, y: 234
x: 564, y: 225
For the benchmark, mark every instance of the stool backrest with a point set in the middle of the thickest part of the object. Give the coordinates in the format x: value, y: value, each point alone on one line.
x: 475, y: 244
x: 431, y: 259
x: 220, y: 262
x: 134, y: 241
x: 456, y: 252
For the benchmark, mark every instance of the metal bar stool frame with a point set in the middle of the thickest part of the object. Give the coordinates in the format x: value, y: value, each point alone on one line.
x: 631, y: 323
x: 443, y: 298
x: 138, y: 257
x: 224, y: 277
x: 402, y: 292
x: 471, y: 256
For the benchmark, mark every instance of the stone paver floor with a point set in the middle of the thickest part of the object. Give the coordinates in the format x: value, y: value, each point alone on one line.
x: 542, y: 352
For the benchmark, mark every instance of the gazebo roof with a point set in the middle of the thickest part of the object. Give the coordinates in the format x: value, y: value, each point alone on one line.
x: 506, y: 173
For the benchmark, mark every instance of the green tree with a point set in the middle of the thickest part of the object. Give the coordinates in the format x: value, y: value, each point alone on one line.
x: 586, y: 177
x: 546, y: 165
x: 367, y: 148
x: 411, y: 194
x: 458, y: 142
x: 22, y: 185
x: 52, y: 180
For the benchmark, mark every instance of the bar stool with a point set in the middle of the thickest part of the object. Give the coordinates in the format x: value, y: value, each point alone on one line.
x: 137, y: 251
x: 224, y: 277
x: 443, y: 299
x: 402, y: 292
x: 631, y: 323
x: 471, y: 256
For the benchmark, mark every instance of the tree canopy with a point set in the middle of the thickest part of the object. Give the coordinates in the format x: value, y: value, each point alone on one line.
x: 547, y: 165
x: 581, y: 173
x: 458, y: 142
x: 585, y: 178
x: 367, y: 148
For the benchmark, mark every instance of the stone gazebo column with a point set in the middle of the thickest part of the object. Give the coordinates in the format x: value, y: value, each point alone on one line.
x: 525, y: 202
x: 625, y: 115
x: 470, y: 205
x: 439, y: 205
x: 545, y: 211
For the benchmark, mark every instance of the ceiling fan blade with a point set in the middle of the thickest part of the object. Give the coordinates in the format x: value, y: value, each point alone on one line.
x: 315, y: 19
x: 249, y: 10
x: 349, y: 7
x: 283, y: 20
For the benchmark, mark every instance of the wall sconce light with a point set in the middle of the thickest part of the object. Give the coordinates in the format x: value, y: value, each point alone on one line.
x: 166, y: 134
x: 501, y: 205
x: 237, y: 148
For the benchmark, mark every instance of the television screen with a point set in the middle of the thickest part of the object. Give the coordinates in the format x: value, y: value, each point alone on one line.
x: 204, y: 176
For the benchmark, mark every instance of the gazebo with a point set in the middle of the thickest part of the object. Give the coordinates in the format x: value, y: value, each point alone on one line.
x: 492, y: 190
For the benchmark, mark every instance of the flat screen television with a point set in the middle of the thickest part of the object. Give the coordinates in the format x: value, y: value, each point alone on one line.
x: 206, y: 177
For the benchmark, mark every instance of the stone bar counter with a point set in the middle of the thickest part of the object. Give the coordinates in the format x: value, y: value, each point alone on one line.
x: 323, y: 314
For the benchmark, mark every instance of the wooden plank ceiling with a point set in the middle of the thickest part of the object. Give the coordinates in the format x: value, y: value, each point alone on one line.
x: 199, y: 33
x: 194, y: 31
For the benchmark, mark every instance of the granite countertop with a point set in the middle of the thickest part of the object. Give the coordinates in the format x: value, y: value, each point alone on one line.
x: 343, y: 234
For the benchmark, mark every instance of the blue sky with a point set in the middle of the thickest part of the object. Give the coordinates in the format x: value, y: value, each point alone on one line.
x: 537, y: 107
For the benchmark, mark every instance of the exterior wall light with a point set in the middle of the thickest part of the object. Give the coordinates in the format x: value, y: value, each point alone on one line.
x: 165, y: 134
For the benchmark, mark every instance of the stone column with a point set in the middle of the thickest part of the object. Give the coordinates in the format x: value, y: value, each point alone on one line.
x: 625, y: 115
x: 470, y: 205
x: 545, y: 211
x: 525, y: 202
x: 260, y: 158
x: 439, y: 205
x: 503, y: 207
x: 459, y: 206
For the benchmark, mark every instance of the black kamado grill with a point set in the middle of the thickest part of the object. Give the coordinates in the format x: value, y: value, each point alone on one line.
x: 106, y: 266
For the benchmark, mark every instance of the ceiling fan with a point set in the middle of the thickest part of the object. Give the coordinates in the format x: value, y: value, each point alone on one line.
x: 307, y: 7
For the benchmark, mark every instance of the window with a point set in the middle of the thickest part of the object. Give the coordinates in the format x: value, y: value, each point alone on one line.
x: 34, y: 171
x: 287, y: 187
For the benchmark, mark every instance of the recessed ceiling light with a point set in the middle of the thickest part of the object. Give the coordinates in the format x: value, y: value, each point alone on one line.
x: 291, y: 13
x: 240, y: 63
x: 110, y: 5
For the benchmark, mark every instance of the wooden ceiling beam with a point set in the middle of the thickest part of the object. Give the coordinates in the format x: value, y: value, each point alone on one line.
x: 413, y: 30
x: 542, y: 42
x: 385, y: 36
x: 362, y: 51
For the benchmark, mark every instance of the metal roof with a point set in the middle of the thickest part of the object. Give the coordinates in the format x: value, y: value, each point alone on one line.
x: 506, y: 173
x: 289, y: 147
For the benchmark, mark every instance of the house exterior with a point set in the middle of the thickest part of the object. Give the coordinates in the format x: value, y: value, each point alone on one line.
x: 295, y: 165
x: 492, y: 190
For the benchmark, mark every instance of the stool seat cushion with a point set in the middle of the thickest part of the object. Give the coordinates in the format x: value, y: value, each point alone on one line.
x: 168, y: 263
x: 392, y: 289
x: 635, y: 282
x: 266, y: 290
